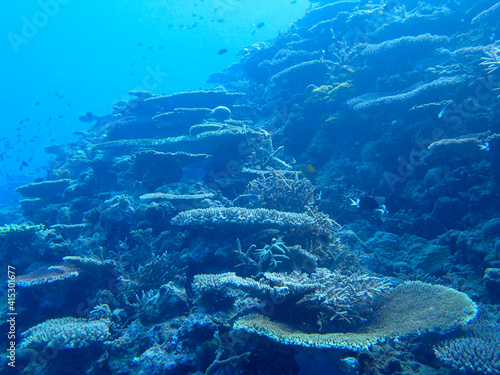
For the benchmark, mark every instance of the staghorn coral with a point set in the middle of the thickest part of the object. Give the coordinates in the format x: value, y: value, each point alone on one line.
x: 160, y: 269
x: 492, y: 59
x: 335, y: 295
x: 278, y: 192
x: 273, y: 256
x: 410, y: 308
x: 345, y: 297
x: 66, y: 333
x: 478, y: 352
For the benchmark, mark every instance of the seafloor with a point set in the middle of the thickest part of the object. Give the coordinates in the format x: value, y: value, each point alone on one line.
x: 331, y: 207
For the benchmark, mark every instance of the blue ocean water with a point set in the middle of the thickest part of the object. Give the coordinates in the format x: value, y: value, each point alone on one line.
x: 62, y: 59
x: 242, y: 187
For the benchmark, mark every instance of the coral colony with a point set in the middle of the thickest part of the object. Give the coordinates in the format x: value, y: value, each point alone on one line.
x: 334, y: 201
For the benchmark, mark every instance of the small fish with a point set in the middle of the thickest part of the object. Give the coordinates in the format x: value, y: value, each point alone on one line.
x: 144, y: 58
x: 294, y: 2
x: 253, y: 198
x: 160, y: 47
x: 29, y: 173
x: 308, y: 171
x: 220, y: 20
x: 389, y: 6
x: 60, y: 116
x: 139, y: 44
x: 222, y: 51
x: 87, y: 117
x: 150, y: 47
x: 37, y: 103
x: 260, y: 25
x: 367, y: 203
x: 21, y: 122
x: 60, y: 97
x: 38, y: 179
x: 68, y: 104
x: 56, y: 95
x: 445, y: 108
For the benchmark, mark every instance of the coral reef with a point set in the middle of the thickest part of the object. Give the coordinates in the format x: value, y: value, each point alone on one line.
x: 339, y: 189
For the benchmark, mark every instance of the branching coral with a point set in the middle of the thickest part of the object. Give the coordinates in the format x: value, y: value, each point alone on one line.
x: 492, y: 59
x: 273, y: 256
x: 278, y: 192
x: 334, y: 295
x: 346, y: 297
x: 478, y: 352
